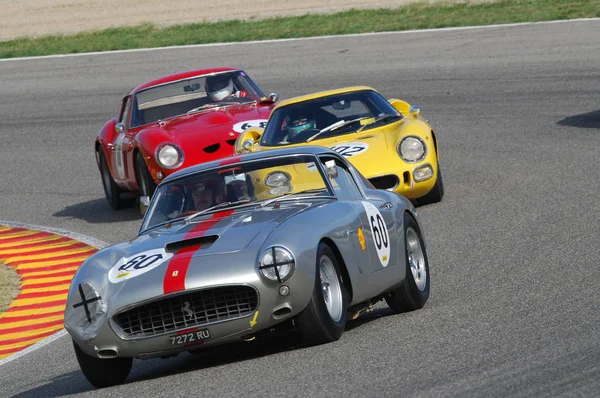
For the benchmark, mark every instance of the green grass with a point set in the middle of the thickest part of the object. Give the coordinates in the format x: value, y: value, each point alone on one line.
x: 415, y: 16
x: 9, y: 286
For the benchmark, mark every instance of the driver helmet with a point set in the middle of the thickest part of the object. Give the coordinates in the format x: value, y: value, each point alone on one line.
x: 298, y: 124
x: 219, y: 87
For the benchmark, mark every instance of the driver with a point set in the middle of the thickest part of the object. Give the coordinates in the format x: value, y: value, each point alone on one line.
x: 220, y: 87
x: 297, y: 124
x: 205, y: 195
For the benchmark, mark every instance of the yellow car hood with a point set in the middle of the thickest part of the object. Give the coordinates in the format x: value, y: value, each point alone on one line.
x: 370, y: 151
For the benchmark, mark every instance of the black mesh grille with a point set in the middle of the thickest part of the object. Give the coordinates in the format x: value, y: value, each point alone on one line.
x: 384, y: 182
x: 180, y: 312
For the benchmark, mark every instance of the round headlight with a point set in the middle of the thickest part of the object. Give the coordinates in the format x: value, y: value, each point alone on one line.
x: 277, y: 179
x: 277, y: 264
x: 169, y: 156
x: 411, y: 149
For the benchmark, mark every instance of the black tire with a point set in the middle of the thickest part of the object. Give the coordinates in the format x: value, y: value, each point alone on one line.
x: 413, y: 293
x: 112, y: 191
x: 437, y: 192
x: 315, y: 323
x: 145, y: 180
x: 103, y: 372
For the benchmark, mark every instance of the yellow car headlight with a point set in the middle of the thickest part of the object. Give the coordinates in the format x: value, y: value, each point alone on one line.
x: 412, y: 149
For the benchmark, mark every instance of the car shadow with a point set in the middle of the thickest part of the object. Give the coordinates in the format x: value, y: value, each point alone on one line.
x: 590, y: 120
x: 98, y: 211
x: 266, y: 345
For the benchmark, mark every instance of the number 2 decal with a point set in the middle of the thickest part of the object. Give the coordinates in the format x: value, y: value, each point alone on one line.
x: 380, y: 234
x: 350, y: 149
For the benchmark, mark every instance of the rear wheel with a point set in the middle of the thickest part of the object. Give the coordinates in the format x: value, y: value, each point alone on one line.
x: 103, y: 372
x: 414, y: 291
x: 324, y: 318
x: 112, y: 191
x: 144, y: 178
x: 437, y: 192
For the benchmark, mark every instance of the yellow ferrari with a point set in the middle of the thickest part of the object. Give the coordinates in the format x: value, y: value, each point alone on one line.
x: 388, y: 141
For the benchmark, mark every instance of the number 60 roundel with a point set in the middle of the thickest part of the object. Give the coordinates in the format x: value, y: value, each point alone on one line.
x: 136, y: 265
x: 381, y: 237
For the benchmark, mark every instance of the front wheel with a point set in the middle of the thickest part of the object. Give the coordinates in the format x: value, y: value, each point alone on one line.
x: 437, y: 192
x: 145, y: 180
x: 324, y: 318
x: 114, y: 194
x: 103, y: 372
x: 414, y: 291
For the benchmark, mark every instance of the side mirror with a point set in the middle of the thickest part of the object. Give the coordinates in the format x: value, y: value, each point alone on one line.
x: 119, y: 128
x: 415, y: 111
x: 248, y: 139
x: 331, y: 169
x: 273, y: 97
x: 144, y: 204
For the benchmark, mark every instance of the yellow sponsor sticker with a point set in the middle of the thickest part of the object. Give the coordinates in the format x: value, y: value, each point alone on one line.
x: 122, y: 275
x: 361, y: 239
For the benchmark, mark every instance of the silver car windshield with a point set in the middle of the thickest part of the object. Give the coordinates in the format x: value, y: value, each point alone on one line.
x: 237, y: 185
x: 192, y: 95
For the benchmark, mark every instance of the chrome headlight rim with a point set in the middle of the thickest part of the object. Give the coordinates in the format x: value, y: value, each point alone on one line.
x: 403, y: 140
x: 286, y: 183
x: 180, y: 155
x: 272, y: 250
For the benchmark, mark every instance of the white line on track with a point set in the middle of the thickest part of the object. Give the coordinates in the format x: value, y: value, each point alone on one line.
x: 458, y: 28
x: 82, y: 238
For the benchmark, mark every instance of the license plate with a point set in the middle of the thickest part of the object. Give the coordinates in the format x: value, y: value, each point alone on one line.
x: 192, y: 337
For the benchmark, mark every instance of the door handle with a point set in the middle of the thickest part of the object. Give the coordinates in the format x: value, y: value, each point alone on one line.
x: 111, y: 146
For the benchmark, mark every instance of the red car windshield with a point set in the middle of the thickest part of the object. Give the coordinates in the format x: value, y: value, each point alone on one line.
x: 193, y: 94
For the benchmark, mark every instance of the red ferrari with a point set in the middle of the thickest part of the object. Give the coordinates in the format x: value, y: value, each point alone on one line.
x: 175, y: 122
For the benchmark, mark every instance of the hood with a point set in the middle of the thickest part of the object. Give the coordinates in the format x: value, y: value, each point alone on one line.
x: 210, y: 135
x: 369, y: 151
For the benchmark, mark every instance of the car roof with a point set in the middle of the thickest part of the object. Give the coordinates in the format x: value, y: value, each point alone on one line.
x: 180, y: 76
x: 260, y: 155
x: 321, y: 94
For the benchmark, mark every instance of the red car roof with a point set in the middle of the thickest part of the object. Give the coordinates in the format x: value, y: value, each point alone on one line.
x: 179, y: 76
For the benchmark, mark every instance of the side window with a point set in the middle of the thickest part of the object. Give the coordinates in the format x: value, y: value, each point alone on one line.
x: 343, y: 184
x: 126, y: 110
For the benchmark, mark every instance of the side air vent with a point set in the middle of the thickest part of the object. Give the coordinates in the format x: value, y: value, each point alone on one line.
x: 201, y: 240
x: 231, y: 142
x: 212, y: 148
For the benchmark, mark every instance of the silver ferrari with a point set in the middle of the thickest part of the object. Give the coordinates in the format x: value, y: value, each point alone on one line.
x: 293, y: 238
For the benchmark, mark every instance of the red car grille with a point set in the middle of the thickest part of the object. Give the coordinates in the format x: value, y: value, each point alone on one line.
x: 199, y: 308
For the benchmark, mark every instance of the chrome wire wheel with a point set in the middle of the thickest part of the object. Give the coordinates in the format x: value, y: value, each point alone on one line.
x: 331, y: 288
x: 416, y: 259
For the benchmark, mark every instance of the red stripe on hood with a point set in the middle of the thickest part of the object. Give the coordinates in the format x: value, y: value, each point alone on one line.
x: 176, y: 271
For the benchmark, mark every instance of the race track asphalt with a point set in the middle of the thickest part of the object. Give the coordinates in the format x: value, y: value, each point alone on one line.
x: 513, y: 247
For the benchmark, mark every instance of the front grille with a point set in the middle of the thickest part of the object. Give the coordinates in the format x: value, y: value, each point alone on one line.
x: 385, y: 182
x: 199, y: 308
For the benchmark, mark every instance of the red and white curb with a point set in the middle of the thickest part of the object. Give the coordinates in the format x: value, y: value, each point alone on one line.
x: 46, y: 260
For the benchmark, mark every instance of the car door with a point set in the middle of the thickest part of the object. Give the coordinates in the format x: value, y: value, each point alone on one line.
x: 380, y: 229
x: 119, y: 146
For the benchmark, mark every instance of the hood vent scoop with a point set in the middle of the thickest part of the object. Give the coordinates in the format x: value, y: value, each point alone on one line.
x: 180, y: 244
x: 212, y: 148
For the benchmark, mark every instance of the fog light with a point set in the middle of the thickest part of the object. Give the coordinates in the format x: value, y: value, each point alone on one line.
x: 160, y: 175
x: 284, y: 290
x: 423, y: 173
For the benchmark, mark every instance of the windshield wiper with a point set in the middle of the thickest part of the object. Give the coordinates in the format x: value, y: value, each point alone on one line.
x: 210, y: 106
x: 378, y: 120
x: 337, y: 125
x: 289, y: 195
x: 215, y: 207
